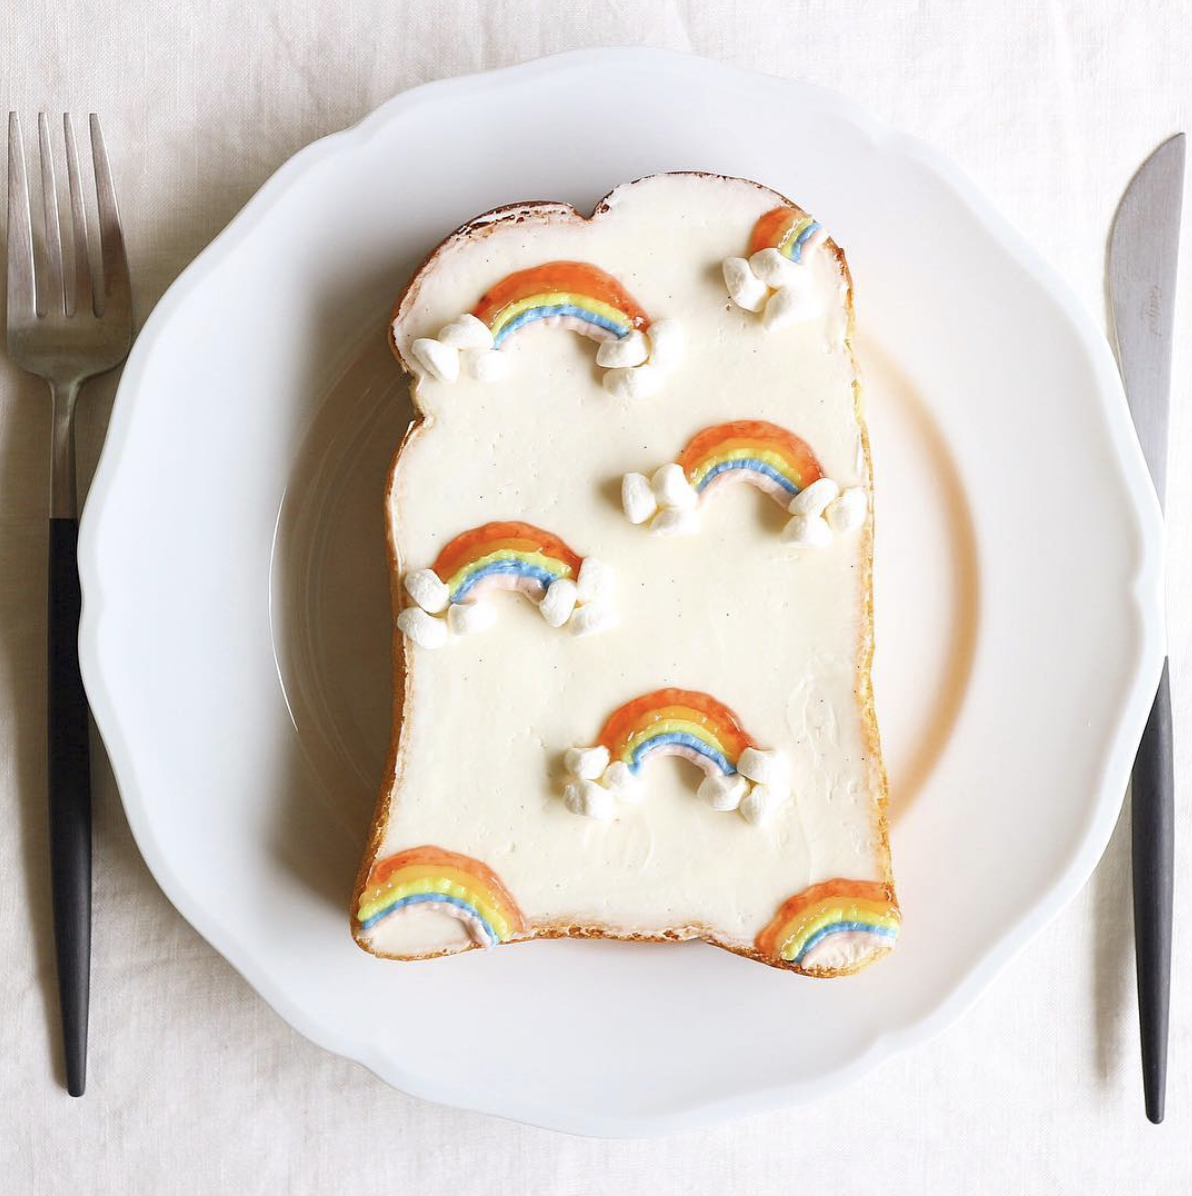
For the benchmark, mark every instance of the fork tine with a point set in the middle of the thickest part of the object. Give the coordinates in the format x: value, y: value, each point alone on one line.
x: 22, y: 286
x: 81, y: 295
x: 111, y: 237
x: 54, y: 298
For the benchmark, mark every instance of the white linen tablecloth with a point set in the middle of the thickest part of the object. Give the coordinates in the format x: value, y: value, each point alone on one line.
x: 197, y: 1086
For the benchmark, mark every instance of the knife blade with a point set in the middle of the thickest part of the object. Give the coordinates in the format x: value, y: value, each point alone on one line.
x: 1143, y: 248
x: 1143, y: 251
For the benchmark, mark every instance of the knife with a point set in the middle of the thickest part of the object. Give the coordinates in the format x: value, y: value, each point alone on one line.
x: 1143, y: 247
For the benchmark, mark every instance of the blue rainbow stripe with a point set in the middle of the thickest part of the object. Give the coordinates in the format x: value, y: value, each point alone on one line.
x: 442, y: 898
x: 559, y: 309
x: 887, y: 932
x: 521, y: 568
x: 686, y: 740
x: 795, y: 249
x: 749, y: 463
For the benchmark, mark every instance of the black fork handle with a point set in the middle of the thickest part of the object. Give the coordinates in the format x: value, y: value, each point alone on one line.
x: 69, y: 800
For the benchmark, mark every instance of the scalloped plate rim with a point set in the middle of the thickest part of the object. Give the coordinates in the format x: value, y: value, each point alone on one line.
x: 1147, y: 595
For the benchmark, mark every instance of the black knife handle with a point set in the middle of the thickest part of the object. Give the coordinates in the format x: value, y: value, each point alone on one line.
x: 70, y: 801
x: 1153, y: 821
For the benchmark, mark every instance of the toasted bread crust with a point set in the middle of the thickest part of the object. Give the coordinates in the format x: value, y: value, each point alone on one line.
x: 545, y: 210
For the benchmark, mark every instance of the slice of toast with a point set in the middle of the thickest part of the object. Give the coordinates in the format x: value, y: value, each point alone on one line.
x: 664, y: 729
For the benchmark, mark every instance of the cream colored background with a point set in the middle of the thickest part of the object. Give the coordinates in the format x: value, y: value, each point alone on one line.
x: 195, y: 1085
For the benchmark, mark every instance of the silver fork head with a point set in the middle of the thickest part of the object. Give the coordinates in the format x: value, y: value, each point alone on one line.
x: 65, y: 329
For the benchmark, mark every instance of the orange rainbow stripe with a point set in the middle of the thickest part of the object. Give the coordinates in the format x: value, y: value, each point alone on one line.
x: 785, y: 230
x: 810, y: 920
x: 454, y: 884
x: 577, y: 295
x: 504, y: 555
x: 680, y: 722
x: 754, y: 451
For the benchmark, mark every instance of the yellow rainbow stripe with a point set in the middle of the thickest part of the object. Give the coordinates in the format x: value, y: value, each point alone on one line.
x: 454, y: 883
x: 833, y: 907
x: 763, y: 454
x: 671, y: 721
x: 785, y: 230
x: 776, y: 461
x: 587, y: 297
x: 569, y: 303
x: 534, y: 564
x: 675, y: 720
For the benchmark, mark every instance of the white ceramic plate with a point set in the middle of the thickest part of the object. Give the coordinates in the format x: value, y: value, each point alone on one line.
x: 236, y: 628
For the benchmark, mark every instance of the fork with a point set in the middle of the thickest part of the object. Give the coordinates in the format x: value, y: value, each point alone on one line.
x: 66, y: 331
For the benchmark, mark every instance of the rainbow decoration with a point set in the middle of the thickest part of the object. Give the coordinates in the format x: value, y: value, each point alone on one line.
x: 454, y: 884
x: 509, y: 556
x: 750, y: 450
x: 576, y: 295
x: 815, y: 918
x: 676, y: 722
x: 783, y: 229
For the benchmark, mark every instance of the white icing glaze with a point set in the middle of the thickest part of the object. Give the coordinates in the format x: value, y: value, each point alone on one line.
x: 467, y: 618
x: 675, y: 521
x: 807, y: 529
x: 701, y: 612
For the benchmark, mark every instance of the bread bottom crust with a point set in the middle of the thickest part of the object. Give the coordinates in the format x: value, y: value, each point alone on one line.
x: 687, y: 935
